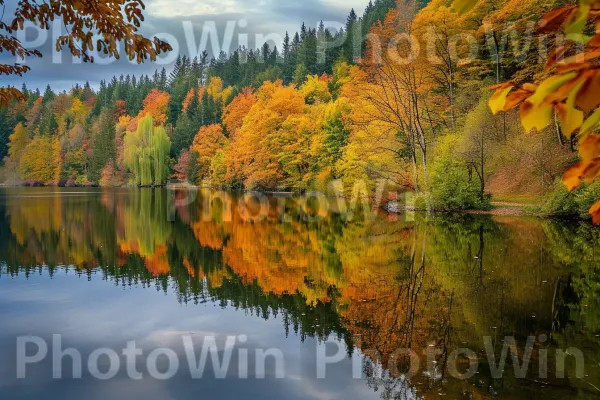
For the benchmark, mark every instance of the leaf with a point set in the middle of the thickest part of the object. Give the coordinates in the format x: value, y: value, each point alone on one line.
x: 516, y: 97
x: 498, y: 100
x: 589, y: 148
x: 463, y: 6
x: 578, y: 60
x: 595, y: 212
x: 536, y: 112
x: 554, y: 20
x: 581, y: 172
x: 587, y: 98
x: 536, y: 117
x: 502, y: 85
x: 549, y: 86
x: 590, y: 123
x: 572, y: 176
x: 576, y: 22
x: 9, y: 94
x: 570, y: 117
x: 556, y: 55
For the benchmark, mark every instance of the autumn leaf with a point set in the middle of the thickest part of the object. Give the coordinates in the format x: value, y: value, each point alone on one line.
x: 576, y: 22
x: 572, y: 177
x: 536, y: 117
x: 570, y: 117
x: 517, y: 97
x: 589, y: 148
x: 498, y: 100
x: 9, y: 94
x: 536, y: 112
x: 595, y: 212
x: 590, y: 123
x: 549, y: 86
x: 581, y: 172
x: 555, y: 19
x: 587, y: 98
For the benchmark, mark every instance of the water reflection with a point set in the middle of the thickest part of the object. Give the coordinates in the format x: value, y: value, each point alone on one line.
x: 379, y: 285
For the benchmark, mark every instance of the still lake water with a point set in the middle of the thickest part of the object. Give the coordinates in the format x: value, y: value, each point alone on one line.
x: 106, y: 267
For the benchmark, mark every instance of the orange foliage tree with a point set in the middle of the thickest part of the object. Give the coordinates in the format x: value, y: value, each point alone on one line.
x: 234, y: 113
x: 207, y: 142
x: 155, y: 105
x: 253, y: 156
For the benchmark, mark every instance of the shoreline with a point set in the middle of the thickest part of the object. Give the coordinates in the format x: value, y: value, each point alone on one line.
x: 499, y: 208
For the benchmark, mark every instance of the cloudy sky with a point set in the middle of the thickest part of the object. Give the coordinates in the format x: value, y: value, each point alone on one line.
x: 184, y: 23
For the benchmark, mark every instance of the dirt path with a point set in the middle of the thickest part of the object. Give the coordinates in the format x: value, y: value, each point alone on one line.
x: 505, y: 208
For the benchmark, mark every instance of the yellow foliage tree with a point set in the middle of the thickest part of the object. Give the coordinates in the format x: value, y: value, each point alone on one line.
x: 17, y: 142
x: 316, y: 89
x: 40, y: 160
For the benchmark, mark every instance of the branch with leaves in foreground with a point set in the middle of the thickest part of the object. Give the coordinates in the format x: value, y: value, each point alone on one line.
x: 570, y: 90
x: 90, y: 24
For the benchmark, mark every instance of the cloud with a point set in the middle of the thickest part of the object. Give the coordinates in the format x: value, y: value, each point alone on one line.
x: 262, y: 17
x: 181, y: 8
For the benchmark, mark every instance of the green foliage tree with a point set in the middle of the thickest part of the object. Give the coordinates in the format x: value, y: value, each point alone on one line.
x: 453, y: 186
x: 147, y: 153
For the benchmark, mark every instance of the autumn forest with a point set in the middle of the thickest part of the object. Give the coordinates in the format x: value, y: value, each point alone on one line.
x: 404, y: 100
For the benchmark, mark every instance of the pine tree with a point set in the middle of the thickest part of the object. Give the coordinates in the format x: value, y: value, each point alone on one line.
x: 353, y: 43
x: 183, y: 134
x: 300, y: 75
x: 288, y: 66
x: 162, y: 82
x: 103, y: 146
x: 48, y: 95
x: 273, y: 57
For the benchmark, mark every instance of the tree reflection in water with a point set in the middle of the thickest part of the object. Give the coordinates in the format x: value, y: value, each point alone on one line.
x: 429, y: 285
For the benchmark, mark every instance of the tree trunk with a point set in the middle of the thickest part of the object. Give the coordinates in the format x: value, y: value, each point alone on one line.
x: 482, y: 176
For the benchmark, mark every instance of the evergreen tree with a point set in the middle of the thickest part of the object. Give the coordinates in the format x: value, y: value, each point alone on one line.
x: 48, y: 95
x: 288, y: 66
x: 103, y: 146
x: 300, y: 75
x: 183, y: 134
x: 353, y: 43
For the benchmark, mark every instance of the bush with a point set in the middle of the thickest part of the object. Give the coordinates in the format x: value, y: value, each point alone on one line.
x: 577, y: 203
x: 421, y: 202
x: 452, y: 187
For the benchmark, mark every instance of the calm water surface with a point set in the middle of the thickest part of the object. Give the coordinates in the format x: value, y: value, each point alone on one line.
x: 106, y: 267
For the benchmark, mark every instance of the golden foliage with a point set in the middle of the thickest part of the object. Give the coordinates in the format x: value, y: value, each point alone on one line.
x: 235, y: 112
x: 207, y: 142
x: 40, y: 160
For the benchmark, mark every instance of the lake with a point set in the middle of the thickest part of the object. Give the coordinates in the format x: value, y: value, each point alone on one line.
x: 156, y: 294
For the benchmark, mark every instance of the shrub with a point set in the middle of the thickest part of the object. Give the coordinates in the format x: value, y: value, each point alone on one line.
x: 452, y: 186
x: 577, y: 203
